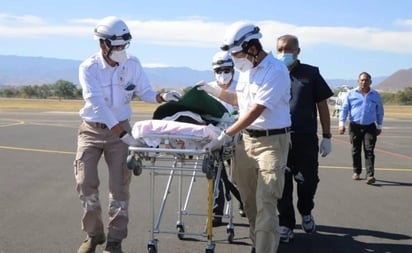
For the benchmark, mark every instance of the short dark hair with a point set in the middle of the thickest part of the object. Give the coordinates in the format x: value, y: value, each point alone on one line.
x: 365, y: 73
x: 289, y: 37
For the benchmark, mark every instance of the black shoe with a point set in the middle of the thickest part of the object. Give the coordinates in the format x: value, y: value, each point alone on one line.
x: 253, y: 250
x: 217, y: 221
x: 113, y: 247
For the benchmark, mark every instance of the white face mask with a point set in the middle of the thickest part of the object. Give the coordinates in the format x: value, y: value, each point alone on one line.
x: 242, y: 64
x: 223, y: 78
x: 119, y: 56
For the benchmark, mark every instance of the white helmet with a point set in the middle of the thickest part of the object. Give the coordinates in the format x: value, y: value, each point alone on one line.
x: 239, y: 33
x: 222, y: 59
x: 113, y: 30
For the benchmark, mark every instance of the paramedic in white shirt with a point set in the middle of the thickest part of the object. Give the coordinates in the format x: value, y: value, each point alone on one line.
x: 224, y: 72
x: 109, y: 79
x: 262, y: 94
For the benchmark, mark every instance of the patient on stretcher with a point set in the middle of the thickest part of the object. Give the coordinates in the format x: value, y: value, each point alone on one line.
x: 189, y: 123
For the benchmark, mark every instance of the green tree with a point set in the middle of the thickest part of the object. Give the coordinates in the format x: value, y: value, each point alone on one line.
x: 388, y: 98
x: 64, y: 89
x: 28, y: 91
x: 9, y: 92
x: 44, y: 91
x: 404, y: 97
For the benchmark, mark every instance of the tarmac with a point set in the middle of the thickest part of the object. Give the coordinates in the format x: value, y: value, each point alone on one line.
x: 40, y: 210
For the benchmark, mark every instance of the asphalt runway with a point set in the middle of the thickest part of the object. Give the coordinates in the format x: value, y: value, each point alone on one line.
x: 40, y: 211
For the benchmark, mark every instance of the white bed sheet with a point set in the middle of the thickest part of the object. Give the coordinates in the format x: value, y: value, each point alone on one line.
x: 195, y: 136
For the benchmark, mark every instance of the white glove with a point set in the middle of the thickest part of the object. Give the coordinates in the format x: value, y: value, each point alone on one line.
x: 211, y: 88
x: 171, y: 96
x: 129, y: 140
x: 325, y: 147
x: 223, y: 139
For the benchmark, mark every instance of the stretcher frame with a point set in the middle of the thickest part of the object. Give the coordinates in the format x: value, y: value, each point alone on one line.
x: 204, y: 163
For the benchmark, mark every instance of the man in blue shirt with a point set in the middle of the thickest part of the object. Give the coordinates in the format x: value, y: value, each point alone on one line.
x: 365, y: 109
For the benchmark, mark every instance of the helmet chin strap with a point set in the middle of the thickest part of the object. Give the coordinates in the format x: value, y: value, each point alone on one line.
x: 109, y: 52
x: 254, y: 56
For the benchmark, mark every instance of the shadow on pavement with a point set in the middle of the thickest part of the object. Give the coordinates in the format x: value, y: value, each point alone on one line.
x: 343, y: 240
x: 390, y: 183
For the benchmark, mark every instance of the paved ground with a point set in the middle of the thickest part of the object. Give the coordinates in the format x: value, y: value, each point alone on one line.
x: 40, y: 211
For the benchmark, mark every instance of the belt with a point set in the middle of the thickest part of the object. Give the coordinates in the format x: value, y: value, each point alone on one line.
x: 268, y: 132
x: 356, y: 125
x: 96, y: 124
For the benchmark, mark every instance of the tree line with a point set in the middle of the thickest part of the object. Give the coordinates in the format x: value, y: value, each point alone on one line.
x: 403, y: 97
x: 62, y: 89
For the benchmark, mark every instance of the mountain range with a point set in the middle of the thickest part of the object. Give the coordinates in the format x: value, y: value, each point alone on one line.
x: 24, y: 70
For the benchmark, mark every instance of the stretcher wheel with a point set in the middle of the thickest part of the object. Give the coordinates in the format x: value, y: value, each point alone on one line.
x: 138, y: 169
x: 151, y: 249
x: 181, y: 231
x: 134, y: 164
x: 231, y: 234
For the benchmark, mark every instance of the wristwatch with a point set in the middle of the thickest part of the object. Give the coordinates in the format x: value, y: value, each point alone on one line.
x: 327, y: 136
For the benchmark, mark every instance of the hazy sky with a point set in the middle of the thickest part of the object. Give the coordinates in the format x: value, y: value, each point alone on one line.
x: 343, y: 37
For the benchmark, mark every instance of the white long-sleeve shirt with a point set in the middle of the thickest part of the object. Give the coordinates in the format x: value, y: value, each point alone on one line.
x: 108, y: 90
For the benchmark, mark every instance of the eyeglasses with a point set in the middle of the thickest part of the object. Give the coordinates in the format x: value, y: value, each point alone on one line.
x: 120, y: 47
x: 239, y: 41
x: 220, y: 71
x: 125, y: 37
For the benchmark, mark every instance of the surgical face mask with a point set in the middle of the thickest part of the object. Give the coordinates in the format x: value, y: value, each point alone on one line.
x: 223, y: 78
x: 242, y: 64
x: 286, y: 58
x: 119, y: 56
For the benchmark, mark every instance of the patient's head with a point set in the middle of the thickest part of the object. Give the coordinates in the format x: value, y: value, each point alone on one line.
x: 223, y: 68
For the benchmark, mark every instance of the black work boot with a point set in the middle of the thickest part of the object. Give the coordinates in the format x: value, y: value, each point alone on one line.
x: 113, y: 247
x: 89, y: 245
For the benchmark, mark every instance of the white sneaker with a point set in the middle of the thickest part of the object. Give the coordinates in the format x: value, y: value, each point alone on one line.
x: 286, y: 234
x: 308, y: 223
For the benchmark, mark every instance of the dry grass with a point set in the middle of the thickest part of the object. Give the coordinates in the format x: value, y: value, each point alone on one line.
x: 395, y: 111
x: 398, y: 111
x: 61, y: 105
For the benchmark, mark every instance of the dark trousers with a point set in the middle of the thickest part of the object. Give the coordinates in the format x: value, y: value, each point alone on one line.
x: 363, y: 135
x: 303, y: 157
x: 224, y: 192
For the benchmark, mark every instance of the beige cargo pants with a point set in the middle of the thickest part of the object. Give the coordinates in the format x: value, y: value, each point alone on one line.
x: 259, y: 173
x: 93, y: 142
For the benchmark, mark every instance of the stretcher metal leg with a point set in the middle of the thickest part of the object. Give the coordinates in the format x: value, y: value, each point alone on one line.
x: 210, y: 247
x: 180, y: 228
x: 152, y: 243
x: 165, y: 194
x: 230, y: 228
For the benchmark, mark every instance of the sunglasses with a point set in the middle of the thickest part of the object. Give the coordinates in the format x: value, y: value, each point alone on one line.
x: 121, y: 47
x: 220, y: 71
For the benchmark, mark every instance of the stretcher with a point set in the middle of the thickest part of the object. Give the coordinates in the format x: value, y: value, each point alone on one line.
x: 171, y: 157
x: 176, y: 149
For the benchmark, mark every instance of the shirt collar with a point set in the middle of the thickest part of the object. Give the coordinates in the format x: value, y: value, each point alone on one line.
x: 265, y: 60
x: 102, y: 62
